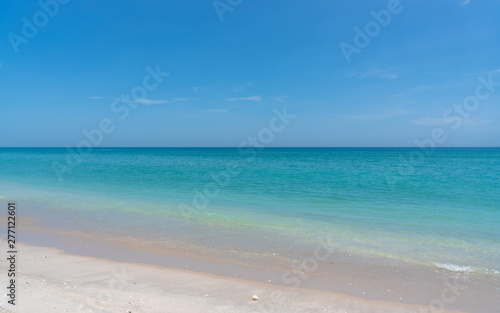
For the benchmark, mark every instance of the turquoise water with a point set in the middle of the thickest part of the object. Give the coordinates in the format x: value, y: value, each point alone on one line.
x: 440, y: 210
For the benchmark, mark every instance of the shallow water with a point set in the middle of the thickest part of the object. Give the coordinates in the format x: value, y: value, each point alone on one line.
x: 441, y: 210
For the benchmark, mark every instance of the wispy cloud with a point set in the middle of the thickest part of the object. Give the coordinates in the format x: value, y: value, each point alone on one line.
x: 279, y: 98
x: 122, y: 60
x: 410, y: 91
x: 477, y: 121
x: 435, y: 121
x: 384, y: 74
x: 429, y: 121
x: 254, y: 98
x: 216, y: 110
x: 141, y: 101
x: 396, y: 112
x: 240, y: 88
x: 199, y: 88
x: 149, y: 101
x: 464, y: 2
x: 368, y: 117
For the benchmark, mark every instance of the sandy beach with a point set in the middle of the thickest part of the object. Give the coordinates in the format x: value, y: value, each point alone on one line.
x: 48, y: 280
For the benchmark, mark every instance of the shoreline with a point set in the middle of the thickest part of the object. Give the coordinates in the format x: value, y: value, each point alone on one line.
x: 50, y: 280
x: 88, y: 225
x: 420, y: 252
x: 398, y: 286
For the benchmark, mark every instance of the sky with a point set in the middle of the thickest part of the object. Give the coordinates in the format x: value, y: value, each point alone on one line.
x: 352, y: 73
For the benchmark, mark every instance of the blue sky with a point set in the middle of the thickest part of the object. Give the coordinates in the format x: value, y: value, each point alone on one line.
x: 226, y: 76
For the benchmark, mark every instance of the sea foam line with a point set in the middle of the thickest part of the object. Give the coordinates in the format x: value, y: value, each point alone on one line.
x: 454, y: 268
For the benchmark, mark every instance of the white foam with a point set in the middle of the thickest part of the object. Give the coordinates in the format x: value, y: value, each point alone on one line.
x: 454, y: 267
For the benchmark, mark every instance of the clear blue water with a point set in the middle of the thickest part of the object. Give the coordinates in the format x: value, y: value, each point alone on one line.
x: 442, y: 211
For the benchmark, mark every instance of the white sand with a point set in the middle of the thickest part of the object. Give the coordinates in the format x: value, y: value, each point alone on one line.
x: 51, y: 281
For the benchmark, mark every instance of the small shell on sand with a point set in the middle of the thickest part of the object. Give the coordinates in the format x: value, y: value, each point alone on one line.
x: 255, y: 298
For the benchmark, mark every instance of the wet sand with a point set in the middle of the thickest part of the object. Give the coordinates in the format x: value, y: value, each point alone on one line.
x: 434, y: 289
x: 51, y: 281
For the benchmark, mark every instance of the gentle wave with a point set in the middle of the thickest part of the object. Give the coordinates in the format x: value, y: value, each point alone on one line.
x: 454, y: 267
x: 465, y: 269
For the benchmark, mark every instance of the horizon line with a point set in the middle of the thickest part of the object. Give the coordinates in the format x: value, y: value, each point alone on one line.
x: 248, y: 147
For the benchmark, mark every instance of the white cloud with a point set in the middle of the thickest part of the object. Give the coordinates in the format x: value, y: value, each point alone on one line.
x: 216, y: 110
x: 476, y: 121
x: 418, y: 89
x: 240, y: 88
x: 279, y: 98
x: 141, y: 101
x: 148, y: 101
x: 253, y: 98
x: 465, y: 2
x: 385, y: 74
x: 428, y: 121
x: 199, y: 88
x: 368, y: 117
x: 413, y: 90
x: 395, y: 112
x: 432, y: 121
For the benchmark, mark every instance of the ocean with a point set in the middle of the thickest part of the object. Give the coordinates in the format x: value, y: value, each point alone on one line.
x: 435, y: 209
